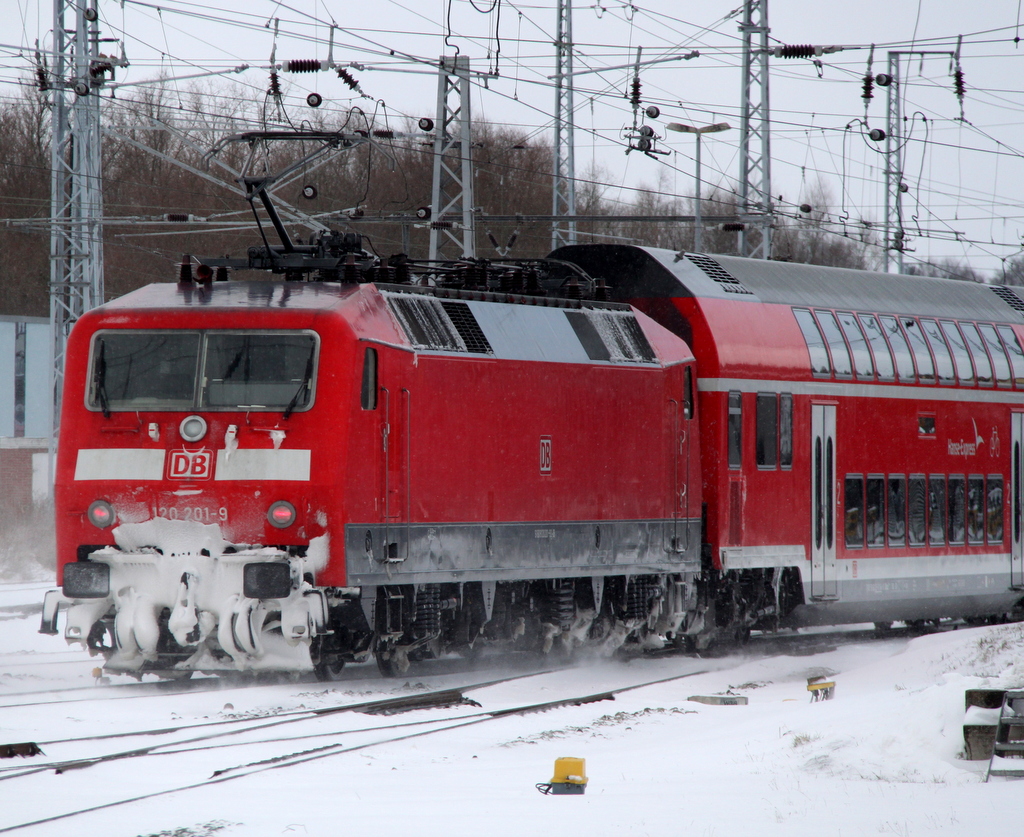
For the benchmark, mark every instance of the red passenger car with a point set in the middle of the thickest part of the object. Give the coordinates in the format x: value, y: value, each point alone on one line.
x: 861, y: 436
x: 286, y: 475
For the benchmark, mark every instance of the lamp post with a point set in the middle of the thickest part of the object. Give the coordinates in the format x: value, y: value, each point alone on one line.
x: 704, y: 129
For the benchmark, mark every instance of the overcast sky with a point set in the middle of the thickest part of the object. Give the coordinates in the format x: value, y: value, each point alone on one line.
x: 964, y: 178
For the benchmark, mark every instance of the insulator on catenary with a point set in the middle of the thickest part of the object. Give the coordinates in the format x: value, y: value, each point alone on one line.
x: 275, y: 85
x: 795, y: 51
x: 634, y: 92
x: 348, y: 78
x: 382, y: 133
x: 177, y: 218
x: 304, y: 65
x: 869, y: 85
x: 41, y: 81
x: 958, y: 83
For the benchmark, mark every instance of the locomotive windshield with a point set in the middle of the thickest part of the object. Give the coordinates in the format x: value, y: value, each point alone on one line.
x: 208, y: 370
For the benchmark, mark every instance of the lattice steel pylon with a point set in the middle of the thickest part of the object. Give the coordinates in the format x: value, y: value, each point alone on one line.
x: 76, y: 193
x: 564, y: 171
x: 452, y: 187
x: 755, y: 135
x: 894, y: 234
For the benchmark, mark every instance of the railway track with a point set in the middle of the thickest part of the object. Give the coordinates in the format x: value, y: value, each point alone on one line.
x: 355, y: 739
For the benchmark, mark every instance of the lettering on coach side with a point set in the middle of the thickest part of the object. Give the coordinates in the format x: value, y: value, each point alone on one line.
x: 189, y: 464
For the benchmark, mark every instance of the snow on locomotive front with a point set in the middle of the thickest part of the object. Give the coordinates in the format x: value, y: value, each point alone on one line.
x: 288, y: 476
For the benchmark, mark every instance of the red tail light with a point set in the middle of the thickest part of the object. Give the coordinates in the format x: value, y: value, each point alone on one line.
x: 281, y: 514
x: 101, y: 514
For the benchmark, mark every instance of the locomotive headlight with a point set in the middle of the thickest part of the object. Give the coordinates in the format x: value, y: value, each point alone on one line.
x: 281, y: 514
x: 100, y: 514
x: 86, y: 580
x: 192, y: 428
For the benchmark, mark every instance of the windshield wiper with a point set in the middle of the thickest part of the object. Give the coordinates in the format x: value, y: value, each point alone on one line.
x: 305, y: 385
x: 100, y: 380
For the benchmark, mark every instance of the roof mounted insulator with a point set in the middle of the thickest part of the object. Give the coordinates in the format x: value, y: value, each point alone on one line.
x: 533, y: 287
x: 351, y: 269
x: 204, y: 274
x: 185, y: 270
x: 601, y: 291
x: 221, y: 274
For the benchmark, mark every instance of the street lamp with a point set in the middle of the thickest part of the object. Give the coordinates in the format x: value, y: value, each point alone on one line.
x: 704, y: 129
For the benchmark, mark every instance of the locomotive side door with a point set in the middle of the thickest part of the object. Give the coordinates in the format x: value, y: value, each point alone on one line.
x: 395, y: 444
x: 1017, y: 500
x: 823, y: 501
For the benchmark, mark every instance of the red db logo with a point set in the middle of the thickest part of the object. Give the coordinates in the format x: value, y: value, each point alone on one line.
x: 189, y: 464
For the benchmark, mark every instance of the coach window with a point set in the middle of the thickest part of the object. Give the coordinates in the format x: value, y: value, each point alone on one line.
x: 874, y: 510
x: 956, y: 528
x: 858, y: 346
x: 815, y: 343
x: 786, y: 430
x: 994, y: 510
x: 976, y: 346
x: 961, y: 357
x: 369, y: 389
x: 943, y: 358
x: 879, y: 348
x: 975, y: 509
x: 916, y: 502
x: 896, y: 508
x: 767, y: 430
x: 853, y: 490
x: 1016, y: 355
x: 735, y: 426
x: 1000, y: 364
x: 936, y: 510
x: 900, y: 349
x: 836, y: 344
x: 923, y: 358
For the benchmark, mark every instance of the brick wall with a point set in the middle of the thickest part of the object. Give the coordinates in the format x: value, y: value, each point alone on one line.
x: 16, y: 473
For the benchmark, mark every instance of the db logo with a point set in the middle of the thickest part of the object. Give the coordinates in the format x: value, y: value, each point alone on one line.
x: 545, y: 454
x: 189, y: 464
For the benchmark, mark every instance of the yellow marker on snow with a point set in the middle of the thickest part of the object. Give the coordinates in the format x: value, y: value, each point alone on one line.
x: 570, y: 777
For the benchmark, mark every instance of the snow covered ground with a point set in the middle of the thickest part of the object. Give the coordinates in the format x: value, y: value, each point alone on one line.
x: 883, y: 757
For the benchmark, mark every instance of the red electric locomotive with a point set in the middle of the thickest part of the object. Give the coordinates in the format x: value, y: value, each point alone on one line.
x: 292, y: 475
x: 861, y: 436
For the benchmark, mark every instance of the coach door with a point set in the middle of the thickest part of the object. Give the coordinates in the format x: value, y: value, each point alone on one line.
x: 1017, y: 501
x: 823, y: 501
x: 682, y: 413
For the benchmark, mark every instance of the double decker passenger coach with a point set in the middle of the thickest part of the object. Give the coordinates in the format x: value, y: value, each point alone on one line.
x: 860, y: 435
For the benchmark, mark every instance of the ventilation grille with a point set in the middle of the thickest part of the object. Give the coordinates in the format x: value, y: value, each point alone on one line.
x: 714, y: 270
x: 611, y: 335
x: 1009, y: 297
x: 467, y: 326
x: 441, y: 326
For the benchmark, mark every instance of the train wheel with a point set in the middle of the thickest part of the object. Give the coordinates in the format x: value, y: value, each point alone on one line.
x: 391, y: 661
x: 329, y: 670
